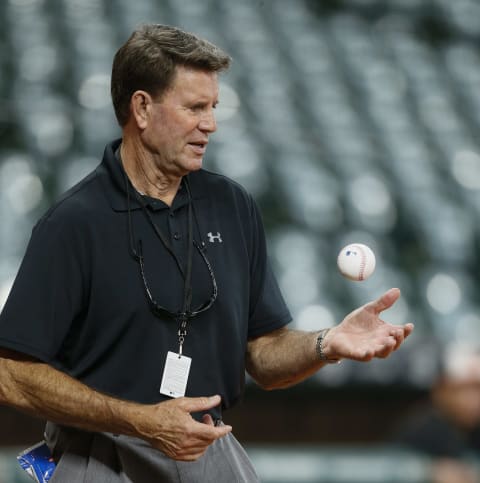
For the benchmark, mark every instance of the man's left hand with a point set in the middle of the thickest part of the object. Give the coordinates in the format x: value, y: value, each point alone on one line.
x: 362, y: 335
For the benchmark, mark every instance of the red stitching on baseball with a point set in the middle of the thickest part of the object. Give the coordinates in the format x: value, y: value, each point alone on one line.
x: 363, y: 262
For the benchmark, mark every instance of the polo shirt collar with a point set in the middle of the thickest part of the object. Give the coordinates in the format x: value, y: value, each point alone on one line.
x: 112, y: 176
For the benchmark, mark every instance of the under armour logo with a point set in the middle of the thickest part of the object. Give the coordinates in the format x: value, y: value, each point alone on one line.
x: 212, y: 238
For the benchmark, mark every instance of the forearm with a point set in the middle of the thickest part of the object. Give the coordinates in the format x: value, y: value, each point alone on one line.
x: 283, y: 358
x: 40, y: 390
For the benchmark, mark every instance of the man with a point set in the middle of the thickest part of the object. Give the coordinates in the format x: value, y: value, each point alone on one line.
x: 145, y: 292
x: 446, y: 427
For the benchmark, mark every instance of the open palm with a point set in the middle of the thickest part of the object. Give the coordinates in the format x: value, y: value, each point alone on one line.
x: 363, y: 335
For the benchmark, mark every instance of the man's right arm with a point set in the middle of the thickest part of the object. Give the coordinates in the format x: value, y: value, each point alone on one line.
x: 42, y: 391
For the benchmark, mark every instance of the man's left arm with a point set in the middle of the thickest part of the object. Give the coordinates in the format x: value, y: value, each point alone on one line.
x: 284, y: 357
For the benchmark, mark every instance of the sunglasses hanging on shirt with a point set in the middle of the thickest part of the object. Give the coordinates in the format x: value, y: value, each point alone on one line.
x: 184, y: 315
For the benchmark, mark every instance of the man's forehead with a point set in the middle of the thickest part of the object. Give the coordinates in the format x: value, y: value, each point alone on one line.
x: 194, y: 80
x: 462, y: 364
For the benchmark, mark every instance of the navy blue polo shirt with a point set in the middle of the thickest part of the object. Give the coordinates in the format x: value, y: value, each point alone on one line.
x: 79, y: 304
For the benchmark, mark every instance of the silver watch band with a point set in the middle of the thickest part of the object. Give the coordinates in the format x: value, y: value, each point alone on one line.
x: 319, y: 348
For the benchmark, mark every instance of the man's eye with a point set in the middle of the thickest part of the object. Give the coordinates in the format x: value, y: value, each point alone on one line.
x: 201, y: 107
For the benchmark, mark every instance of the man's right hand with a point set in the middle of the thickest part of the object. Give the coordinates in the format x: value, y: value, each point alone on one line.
x: 172, y: 430
x: 42, y: 391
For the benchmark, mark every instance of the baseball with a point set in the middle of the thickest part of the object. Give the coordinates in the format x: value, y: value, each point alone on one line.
x: 356, y: 262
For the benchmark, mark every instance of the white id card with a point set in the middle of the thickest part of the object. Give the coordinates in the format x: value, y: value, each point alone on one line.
x: 175, y: 375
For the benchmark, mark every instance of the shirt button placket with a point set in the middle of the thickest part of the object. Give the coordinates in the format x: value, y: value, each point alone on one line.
x: 174, y: 229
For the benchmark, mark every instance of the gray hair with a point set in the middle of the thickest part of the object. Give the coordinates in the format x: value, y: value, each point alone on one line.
x: 147, y: 61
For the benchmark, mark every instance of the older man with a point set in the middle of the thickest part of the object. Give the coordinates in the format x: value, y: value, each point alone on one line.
x: 145, y: 292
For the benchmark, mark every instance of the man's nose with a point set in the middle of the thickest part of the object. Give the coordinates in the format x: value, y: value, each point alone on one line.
x: 208, y: 123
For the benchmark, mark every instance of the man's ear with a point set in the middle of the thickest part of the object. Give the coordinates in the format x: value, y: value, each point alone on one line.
x: 140, y: 104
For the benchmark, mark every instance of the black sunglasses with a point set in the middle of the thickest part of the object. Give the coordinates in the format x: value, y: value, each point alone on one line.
x: 162, y: 311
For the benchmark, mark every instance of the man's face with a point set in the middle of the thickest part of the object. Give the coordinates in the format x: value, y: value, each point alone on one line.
x: 462, y: 402
x: 180, y: 122
x: 458, y: 393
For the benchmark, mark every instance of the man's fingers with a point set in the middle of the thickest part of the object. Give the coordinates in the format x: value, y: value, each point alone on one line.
x: 408, y: 329
x: 196, y: 440
x: 195, y: 404
x: 398, y: 335
x: 202, y: 435
x: 208, y: 432
x: 386, y: 300
x: 207, y: 419
x: 179, y: 435
x: 401, y: 333
x: 207, y: 429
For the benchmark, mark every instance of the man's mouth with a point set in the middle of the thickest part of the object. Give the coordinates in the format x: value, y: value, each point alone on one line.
x: 199, y: 147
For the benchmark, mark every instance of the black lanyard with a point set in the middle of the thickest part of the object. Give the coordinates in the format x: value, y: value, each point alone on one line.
x: 185, y: 314
x: 186, y: 274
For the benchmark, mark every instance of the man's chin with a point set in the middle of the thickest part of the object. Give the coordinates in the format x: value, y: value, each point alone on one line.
x: 191, y: 165
x: 195, y: 164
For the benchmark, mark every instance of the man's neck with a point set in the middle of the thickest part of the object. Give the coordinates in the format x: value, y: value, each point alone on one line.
x: 146, y: 177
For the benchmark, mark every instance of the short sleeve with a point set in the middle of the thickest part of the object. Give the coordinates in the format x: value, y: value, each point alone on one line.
x: 47, y: 293
x: 268, y: 310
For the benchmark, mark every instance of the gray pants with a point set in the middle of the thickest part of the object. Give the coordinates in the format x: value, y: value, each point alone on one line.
x: 106, y: 458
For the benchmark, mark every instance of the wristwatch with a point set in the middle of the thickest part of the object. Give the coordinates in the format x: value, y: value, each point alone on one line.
x: 319, y: 348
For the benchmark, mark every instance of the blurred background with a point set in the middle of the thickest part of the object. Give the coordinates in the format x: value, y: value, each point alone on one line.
x: 349, y: 121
